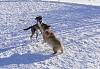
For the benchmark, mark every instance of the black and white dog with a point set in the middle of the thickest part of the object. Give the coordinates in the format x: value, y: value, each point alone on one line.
x: 35, y: 28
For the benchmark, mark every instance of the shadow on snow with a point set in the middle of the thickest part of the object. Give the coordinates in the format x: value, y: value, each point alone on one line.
x: 23, y: 59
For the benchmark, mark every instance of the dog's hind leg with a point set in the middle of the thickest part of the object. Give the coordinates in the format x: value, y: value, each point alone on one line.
x: 54, y: 50
x: 32, y: 35
x: 37, y: 35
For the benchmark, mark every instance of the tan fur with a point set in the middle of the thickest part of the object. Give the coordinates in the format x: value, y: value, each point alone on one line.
x: 51, y: 39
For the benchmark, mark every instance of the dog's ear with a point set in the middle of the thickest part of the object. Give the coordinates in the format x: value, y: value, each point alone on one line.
x: 38, y: 18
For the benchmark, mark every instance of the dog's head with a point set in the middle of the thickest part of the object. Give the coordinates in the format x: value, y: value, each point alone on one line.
x: 45, y: 26
x: 39, y: 18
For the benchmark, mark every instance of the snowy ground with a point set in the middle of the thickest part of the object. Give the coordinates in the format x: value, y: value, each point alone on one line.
x: 78, y: 27
x: 86, y: 2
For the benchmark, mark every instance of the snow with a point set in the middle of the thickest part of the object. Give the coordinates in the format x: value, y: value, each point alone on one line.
x: 77, y: 26
x: 20, y: 0
x: 86, y: 2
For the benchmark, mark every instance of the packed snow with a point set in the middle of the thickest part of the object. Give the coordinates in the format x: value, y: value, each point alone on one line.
x: 77, y: 26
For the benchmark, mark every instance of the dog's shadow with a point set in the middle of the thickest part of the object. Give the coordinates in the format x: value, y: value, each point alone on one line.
x: 23, y: 59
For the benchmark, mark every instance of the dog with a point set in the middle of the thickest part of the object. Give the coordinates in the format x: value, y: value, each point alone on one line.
x: 50, y: 38
x: 35, y: 28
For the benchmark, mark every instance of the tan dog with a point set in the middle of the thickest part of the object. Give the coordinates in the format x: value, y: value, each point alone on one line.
x: 50, y: 38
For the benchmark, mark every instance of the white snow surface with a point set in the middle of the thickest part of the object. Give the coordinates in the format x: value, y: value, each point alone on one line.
x: 77, y: 26
x: 86, y: 2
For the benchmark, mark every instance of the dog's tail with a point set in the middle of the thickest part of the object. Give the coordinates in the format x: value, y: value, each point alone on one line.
x: 28, y: 28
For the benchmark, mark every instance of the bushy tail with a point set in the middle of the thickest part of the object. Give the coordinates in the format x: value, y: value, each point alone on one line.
x: 28, y: 28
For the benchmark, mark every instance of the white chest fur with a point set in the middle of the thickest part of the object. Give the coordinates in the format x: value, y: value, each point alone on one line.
x: 41, y: 29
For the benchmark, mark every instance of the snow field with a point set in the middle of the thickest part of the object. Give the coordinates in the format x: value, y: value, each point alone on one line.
x: 77, y: 26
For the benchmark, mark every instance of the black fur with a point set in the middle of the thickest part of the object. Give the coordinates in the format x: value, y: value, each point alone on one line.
x: 35, y: 28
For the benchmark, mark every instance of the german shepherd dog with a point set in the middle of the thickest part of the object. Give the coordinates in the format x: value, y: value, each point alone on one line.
x: 50, y: 38
x: 35, y: 28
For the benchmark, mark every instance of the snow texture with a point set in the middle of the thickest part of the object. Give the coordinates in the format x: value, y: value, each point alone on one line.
x: 77, y: 26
